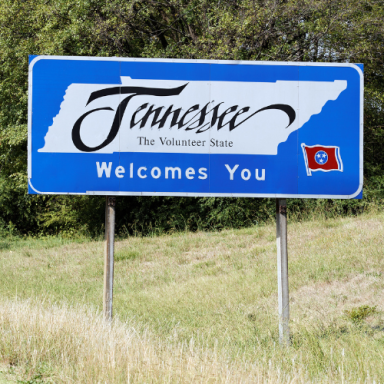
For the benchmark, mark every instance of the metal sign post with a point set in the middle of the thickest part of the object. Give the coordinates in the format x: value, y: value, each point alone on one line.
x: 282, y: 270
x: 108, y: 256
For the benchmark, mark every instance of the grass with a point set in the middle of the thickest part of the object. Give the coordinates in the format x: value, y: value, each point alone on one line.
x: 197, y: 307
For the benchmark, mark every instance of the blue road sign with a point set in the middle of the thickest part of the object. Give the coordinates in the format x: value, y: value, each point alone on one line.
x: 113, y: 126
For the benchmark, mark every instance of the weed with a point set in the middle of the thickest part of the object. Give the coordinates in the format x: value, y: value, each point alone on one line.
x: 360, y: 313
x: 205, y: 264
x: 36, y: 379
x: 374, y: 274
x: 4, y: 245
x: 126, y: 255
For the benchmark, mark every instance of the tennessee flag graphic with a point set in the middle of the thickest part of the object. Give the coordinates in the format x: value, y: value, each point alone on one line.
x: 322, y: 158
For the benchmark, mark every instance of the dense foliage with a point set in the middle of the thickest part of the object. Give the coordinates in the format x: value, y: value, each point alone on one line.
x: 295, y: 30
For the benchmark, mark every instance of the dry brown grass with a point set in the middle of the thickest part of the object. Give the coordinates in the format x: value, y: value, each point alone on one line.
x: 330, y: 300
x: 78, y: 346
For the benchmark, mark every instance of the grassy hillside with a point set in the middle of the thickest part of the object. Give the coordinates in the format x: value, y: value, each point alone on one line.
x: 197, y: 307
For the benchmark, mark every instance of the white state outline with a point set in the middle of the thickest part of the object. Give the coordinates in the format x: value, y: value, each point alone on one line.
x: 232, y: 62
x: 338, y: 158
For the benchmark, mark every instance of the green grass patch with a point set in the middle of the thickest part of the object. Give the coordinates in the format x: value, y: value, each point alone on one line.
x: 122, y: 255
x: 360, y: 313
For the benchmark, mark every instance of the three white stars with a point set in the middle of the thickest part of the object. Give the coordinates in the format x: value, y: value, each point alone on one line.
x: 323, y: 155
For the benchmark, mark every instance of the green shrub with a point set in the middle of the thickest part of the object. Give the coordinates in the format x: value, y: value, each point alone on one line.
x: 358, y: 314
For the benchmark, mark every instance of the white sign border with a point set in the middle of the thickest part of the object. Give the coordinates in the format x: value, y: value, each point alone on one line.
x: 231, y: 62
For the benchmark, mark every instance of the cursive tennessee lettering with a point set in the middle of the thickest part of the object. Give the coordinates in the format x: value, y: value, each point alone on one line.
x: 194, y: 118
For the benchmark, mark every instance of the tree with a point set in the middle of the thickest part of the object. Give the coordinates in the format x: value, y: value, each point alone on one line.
x: 286, y: 30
